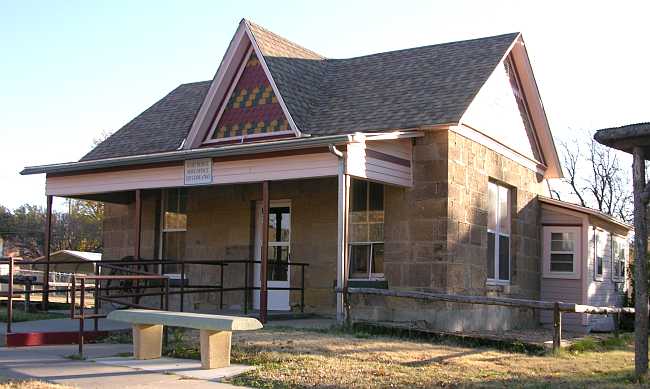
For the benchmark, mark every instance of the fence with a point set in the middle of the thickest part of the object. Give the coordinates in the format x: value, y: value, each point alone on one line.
x: 135, y: 271
x: 557, y: 307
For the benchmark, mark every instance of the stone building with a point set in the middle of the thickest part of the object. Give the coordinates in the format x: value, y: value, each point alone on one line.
x: 418, y: 169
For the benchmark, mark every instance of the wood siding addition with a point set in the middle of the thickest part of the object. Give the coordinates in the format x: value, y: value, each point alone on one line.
x: 223, y: 172
x: 382, y: 161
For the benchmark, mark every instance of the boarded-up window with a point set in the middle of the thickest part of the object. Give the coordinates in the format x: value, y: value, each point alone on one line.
x: 174, y: 228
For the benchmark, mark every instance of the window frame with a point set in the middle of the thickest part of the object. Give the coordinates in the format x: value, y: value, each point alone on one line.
x: 598, y: 249
x: 163, y: 230
x: 371, y: 244
x: 498, y: 233
x: 619, y: 241
x: 577, y: 252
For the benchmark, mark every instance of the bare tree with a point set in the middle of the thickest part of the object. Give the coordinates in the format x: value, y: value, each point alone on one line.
x: 594, y: 176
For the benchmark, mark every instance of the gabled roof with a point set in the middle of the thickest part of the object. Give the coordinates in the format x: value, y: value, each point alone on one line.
x: 398, y: 90
x: 161, y: 127
x: 84, y: 255
x: 423, y: 86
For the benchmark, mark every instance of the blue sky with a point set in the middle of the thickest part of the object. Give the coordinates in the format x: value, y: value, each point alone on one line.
x: 71, y: 69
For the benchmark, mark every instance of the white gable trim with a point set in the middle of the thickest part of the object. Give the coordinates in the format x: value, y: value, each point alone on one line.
x: 243, y: 42
x: 262, y: 60
x: 224, y: 102
x: 237, y: 49
x: 535, y: 109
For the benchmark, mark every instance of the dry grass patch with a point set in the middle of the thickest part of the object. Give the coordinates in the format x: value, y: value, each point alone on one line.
x: 29, y: 384
x: 299, y: 359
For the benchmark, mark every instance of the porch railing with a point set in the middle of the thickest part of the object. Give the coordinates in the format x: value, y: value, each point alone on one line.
x: 145, y: 268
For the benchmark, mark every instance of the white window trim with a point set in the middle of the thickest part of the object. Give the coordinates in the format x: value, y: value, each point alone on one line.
x: 597, y: 246
x: 498, y: 233
x: 546, y: 242
x: 371, y: 276
x: 621, y: 240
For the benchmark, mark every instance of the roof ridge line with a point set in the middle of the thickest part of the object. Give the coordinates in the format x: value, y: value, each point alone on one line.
x: 280, y: 37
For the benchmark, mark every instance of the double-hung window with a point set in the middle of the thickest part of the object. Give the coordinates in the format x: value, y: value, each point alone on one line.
x: 498, y: 234
x: 366, y: 230
x: 174, y: 228
x: 600, y: 242
x: 618, y: 259
x: 561, y: 252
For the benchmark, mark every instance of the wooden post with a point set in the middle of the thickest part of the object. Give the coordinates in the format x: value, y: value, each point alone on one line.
x: 264, y: 254
x: 138, y: 223
x: 640, y: 265
x: 557, y: 327
x: 46, y: 248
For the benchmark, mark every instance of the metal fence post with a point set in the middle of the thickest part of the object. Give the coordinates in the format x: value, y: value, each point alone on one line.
x: 10, y: 295
x: 82, y: 302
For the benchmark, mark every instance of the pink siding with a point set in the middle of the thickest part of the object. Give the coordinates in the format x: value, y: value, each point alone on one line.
x: 254, y: 170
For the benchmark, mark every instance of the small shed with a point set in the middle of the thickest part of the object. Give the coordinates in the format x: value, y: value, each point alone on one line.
x: 585, y: 257
x: 87, y: 267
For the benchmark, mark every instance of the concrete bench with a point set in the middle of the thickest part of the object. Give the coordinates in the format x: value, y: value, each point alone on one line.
x: 215, y: 332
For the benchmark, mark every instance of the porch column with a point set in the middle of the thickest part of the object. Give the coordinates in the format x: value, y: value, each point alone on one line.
x: 46, y: 247
x: 264, y: 254
x: 640, y: 263
x: 342, y: 241
x: 138, y: 223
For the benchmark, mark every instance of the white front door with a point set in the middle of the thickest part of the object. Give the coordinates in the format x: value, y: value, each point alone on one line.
x: 278, y: 274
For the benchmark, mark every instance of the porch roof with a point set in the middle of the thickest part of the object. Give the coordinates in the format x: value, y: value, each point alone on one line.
x: 305, y: 142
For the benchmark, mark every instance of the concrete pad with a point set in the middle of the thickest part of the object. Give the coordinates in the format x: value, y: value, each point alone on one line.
x: 186, y: 368
x: 48, y: 363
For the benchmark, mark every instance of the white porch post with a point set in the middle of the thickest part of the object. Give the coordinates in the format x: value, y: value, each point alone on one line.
x: 341, y: 257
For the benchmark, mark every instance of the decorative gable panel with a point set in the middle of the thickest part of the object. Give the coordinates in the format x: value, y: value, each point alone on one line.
x: 252, y: 108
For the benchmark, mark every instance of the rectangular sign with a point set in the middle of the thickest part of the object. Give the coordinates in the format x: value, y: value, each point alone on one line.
x: 198, y: 171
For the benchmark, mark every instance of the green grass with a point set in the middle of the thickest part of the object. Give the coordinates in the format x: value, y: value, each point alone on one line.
x: 593, y: 344
x: 20, y: 315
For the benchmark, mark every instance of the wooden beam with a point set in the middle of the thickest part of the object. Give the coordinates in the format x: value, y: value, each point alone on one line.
x: 557, y: 328
x: 486, y: 300
x: 46, y: 249
x: 264, y: 252
x: 138, y: 224
x: 640, y: 264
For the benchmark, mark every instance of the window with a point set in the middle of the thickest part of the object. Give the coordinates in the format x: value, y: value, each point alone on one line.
x: 174, y: 227
x: 498, y: 255
x: 600, y: 241
x: 561, y: 252
x: 366, y: 248
x: 618, y: 259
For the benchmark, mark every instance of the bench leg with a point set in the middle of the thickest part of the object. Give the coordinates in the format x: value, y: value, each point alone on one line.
x: 147, y: 341
x: 215, y: 349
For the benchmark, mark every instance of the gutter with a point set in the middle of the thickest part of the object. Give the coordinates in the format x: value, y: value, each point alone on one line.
x: 181, y: 155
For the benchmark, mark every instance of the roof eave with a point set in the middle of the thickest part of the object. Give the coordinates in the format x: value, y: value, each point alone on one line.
x: 585, y: 210
x: 224, y: 151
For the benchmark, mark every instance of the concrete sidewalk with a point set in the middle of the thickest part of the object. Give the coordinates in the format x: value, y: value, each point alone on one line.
x: 49, y: 363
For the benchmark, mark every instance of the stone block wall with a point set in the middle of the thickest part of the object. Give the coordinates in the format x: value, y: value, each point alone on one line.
x: 436, y: 237
x: 220, y: 226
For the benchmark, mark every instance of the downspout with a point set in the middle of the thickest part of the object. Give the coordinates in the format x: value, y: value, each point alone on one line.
x: 341, y: 279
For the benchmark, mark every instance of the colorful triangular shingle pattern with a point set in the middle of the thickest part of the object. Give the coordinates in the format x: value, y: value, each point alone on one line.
x: 253, y: 107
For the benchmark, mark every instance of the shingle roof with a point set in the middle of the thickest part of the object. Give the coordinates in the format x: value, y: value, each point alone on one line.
x: 161, y: 127
x: 403, y: 89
